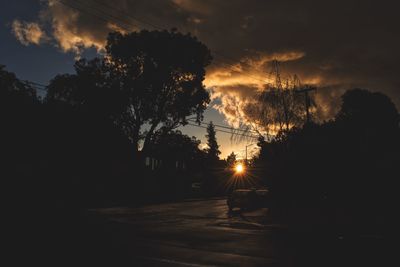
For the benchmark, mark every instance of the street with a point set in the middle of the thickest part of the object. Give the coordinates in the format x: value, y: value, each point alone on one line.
x: 204, y: 233
x: 195, y: 233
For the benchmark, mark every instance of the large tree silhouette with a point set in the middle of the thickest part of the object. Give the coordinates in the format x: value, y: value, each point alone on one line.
x: 363, y: 109
x: 162, y: 75
x: 146, y: 82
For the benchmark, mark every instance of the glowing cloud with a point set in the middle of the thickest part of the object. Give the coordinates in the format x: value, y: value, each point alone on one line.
x: 28, y: 32
x: 235, y: 87
x: 310, y: 42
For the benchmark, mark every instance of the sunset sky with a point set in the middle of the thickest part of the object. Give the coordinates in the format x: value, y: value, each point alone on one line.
x: 335, y: 45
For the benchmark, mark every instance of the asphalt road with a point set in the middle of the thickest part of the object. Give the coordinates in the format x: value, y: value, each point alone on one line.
x: 204, y: 233
x: 194, y: 233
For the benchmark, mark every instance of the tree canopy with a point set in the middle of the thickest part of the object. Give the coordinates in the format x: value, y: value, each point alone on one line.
x: 348, y: 164
x: 231, y: 159
x: 366, y: 109
x: 279, y: 106
x: 14, y: 91
x: 146, y: 81
x: 175, y: 146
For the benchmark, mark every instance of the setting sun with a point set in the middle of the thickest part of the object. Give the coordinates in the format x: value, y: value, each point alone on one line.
x: 239, y: 168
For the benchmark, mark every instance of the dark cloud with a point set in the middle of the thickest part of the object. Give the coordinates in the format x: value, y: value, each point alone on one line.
x: 334, y: 44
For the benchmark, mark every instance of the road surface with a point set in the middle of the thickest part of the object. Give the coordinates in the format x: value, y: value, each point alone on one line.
x: 194, y: 233
x: 203, y: 233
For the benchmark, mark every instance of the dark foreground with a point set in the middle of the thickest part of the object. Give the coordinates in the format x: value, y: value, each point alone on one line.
x: 190, y: 233
x: 203, y: 233
x: 193, y: 233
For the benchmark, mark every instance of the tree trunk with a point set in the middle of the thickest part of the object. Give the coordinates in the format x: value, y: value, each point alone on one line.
x: 148, y: 137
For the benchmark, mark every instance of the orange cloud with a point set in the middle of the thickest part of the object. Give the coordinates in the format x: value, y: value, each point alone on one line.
x: 253, y: 34
x: 66, y: 31
x: 236, y: 87
x: 28, y: 32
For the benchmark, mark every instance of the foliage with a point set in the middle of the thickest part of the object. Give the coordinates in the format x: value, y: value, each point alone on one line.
x: 13, y: 90
x: 19, y: 107
x: 147, y: 78
x: 366, y: 110
x: 213, y: 147
x: 162, y: 75
x: 280, y: 109
x: 231, y: 159
x: 279, y: 106
x: 341, y: 169
x: 173, y: 146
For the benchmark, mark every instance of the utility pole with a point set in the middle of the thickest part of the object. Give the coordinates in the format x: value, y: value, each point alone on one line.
x: 306, y: 91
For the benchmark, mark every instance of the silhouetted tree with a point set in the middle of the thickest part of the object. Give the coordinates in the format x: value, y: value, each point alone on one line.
x: 231, y: 159
x: 213, y: 147
x: 162, y: 76
x: 174, y: 146
x: 366, y: 110
x: 152, y: 79
x: 179, y: 162
x: 278, y: 107
x: 13, y: 90
x: 18, y: 112
x: 340, y: 170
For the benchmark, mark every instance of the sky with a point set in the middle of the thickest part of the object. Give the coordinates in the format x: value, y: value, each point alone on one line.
x: 334, y: 45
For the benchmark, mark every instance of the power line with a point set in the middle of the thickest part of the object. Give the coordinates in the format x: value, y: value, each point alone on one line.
x: 224, y: 127
x: 34, y: 85
x: 233, y: 130
x: 222, y: 131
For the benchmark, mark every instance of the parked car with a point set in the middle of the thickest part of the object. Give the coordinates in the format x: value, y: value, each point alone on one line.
x: 246, y: 199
